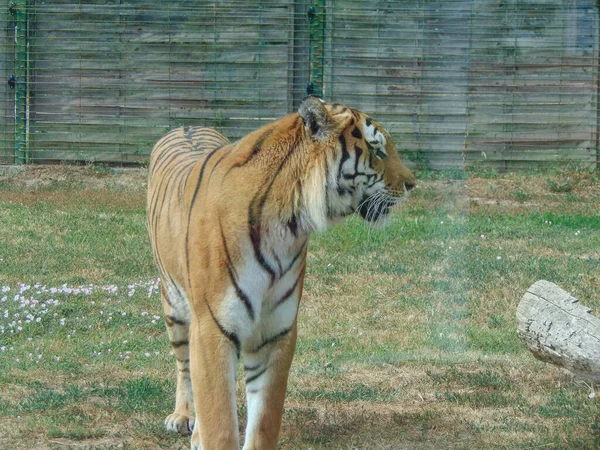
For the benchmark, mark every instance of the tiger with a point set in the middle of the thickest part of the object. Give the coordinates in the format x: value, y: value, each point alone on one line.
x: 229, y: 225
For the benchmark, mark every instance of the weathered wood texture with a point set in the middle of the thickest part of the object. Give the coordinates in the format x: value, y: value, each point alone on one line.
x: 509, y: 84
x: 559, y: 330
x: 6, y: 94
x: 110, y: 79
x: 506, y: 84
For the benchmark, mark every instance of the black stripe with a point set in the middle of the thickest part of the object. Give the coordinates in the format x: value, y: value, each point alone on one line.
x: 252, y: 368
x: 223, y: 156
x: 168, y: 138
x: 352, y: 176
x: 294, y: 259
x: 341, y: 190
x: 233, y: 275
x: 255, y: 150
x: 358, y: 152
x: 198, y: 184
x: 345, y: 155
x: 164, y: 276
x: 293, y: 225
x: 229, y: 335
x: 227, y: 254
x: 201, y: 176
x: 168, y: 156
x: 271, y: 340
x: 177, y: 344
x: 278, y: 261
x: 241, y: 294
x: 255, y: 376
x: 377, y: 180
x: 289, y: 293
x: 357, y: 133
x: 172, y: 320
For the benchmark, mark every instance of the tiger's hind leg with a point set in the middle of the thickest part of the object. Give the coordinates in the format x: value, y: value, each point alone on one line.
x: 178, y: 328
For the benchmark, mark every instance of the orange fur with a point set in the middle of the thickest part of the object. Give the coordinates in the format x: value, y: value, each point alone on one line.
x: 229, y: 224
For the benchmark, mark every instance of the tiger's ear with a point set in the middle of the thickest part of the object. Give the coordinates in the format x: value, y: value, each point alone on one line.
x: 318, y: 124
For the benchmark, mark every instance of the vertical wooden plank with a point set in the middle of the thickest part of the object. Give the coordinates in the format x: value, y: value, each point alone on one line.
x: 6, y: 93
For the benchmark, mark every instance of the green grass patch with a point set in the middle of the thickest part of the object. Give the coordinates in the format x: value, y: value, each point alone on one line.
x: 407, y: 334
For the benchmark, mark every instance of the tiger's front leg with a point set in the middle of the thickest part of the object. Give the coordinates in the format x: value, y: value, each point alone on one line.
x: 266, y: 373
x: 213, y: 363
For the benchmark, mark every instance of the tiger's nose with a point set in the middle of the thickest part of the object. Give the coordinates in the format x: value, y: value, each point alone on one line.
x: 409, y: 184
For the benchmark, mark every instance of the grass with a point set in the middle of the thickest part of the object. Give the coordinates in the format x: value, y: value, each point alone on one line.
x: 407, y: 334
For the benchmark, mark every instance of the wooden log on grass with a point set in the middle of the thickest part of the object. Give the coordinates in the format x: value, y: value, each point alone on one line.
x: 558, y: 329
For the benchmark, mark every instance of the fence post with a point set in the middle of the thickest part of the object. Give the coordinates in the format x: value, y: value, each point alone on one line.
x: 316, y: 19
x: 18, y: 10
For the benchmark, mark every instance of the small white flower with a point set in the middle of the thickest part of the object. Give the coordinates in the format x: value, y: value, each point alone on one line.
x: 592, y: 395
x: 498, y: 258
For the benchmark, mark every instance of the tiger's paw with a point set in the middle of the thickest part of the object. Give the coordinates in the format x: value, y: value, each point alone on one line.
x: 179, y: 423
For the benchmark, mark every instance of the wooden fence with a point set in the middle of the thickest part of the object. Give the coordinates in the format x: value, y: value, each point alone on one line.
x: 511, y: 84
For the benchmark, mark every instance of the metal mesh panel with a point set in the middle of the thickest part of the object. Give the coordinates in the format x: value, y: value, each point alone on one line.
x: 109, y: 79
x: 509, y: 84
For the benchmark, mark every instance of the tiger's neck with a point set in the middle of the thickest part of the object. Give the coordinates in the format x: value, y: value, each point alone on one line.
x: 293, y: 192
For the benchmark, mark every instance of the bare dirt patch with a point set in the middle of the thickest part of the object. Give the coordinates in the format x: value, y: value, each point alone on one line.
x: 89, y: 177
x: 519, y: 193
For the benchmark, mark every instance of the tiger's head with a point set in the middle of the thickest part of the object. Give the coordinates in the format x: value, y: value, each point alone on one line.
x: 364, y: 173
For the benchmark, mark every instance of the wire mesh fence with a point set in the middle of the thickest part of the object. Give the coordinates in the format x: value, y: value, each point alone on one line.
x: 511, y: 84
